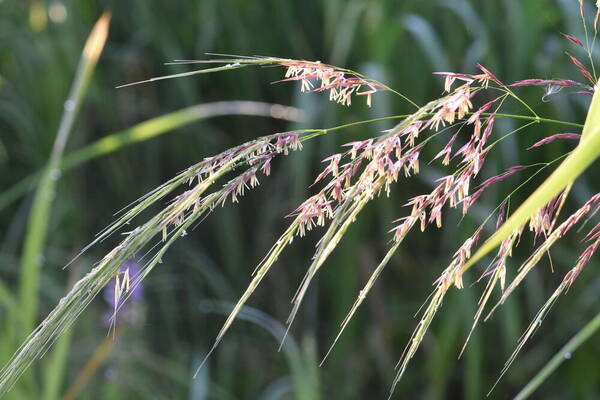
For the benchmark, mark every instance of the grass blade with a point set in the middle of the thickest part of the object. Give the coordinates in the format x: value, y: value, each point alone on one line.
x: 152, y: 128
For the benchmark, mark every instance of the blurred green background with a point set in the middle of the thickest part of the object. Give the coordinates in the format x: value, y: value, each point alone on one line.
x: 165, y: 334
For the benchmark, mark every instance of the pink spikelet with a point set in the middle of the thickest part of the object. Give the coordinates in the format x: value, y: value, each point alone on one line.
x: 446, y: 151
x: 572, y: 39
x: 544, y: 82
x: 498, y: 178
x: 551, y: 138
x: 501, y: 214
x: 582, y: 69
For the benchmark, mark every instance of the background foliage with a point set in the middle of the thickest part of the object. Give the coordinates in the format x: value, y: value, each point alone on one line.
x: 171, y: 328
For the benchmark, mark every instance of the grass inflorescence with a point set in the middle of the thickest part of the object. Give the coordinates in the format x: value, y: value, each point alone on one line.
x: 362, y: 171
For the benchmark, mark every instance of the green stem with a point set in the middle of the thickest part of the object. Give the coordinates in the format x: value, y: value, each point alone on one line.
x: 513, y: 95
x: 319, y: 132
x: 584, y: 334
x: 539, y: 119
x: 37, y: 228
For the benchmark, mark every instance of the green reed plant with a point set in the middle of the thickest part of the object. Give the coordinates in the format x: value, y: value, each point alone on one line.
x: 350, y: 180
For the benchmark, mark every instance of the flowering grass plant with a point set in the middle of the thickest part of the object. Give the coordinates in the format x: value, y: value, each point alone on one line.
x: 464, y: 118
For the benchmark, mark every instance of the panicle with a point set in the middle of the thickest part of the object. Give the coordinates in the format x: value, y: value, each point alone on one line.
x: 453, y: 189
x: 350, y: 179
x: 340, y: 86
x: 256, y: 155
x: 366, y: 169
